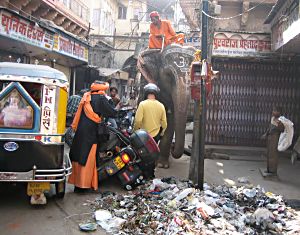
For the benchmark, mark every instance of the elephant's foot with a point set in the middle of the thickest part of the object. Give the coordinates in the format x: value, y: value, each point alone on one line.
x: 163, y: 164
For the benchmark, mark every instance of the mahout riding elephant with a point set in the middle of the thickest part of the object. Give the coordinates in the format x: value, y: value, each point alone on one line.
x: 170, y: 70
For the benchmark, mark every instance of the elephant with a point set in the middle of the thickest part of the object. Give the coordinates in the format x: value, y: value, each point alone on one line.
x: 169, y: 69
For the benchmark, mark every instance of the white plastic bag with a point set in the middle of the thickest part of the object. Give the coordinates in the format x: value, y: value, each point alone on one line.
x: 286, y: 137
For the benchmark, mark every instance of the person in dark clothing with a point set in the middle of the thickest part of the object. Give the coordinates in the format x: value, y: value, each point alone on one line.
x: 93, y: 107
x: 272, y: 135
x: 114, y: 95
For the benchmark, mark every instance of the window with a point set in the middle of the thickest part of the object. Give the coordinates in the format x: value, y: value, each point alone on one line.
x: 122, y: 13
x: 15, y: 111
x: 136, y: 13
x: 20, y: 106
x: 96, y: 17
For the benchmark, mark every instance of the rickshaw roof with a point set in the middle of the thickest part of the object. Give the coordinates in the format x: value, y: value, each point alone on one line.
x: 31, y: 70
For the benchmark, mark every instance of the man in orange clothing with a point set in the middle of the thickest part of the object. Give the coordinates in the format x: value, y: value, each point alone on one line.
x: 160, y: 29
x: 93, y: 107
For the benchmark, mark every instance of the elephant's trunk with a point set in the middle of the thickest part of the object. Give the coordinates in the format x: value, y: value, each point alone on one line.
x: 181, y: 101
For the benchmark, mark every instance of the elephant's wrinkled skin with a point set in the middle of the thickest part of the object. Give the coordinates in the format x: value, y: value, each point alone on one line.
x: 169, y: 69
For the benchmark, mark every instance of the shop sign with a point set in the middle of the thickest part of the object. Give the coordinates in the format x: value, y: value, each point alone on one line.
x: 241, y: 45
x: 22, y: 30
x: 70, y: 47
x: 48, y: 109
x: 194, y: 41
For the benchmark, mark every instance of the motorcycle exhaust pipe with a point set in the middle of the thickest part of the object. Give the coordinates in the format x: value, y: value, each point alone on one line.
x: 109, y: 154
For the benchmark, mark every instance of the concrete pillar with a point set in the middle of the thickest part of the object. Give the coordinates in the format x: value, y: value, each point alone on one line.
x: 4, y: 3
x: 31, y: 6
x: 17, y: 4
x: 40, y: 12
x: 50, y: 15
x: 77, y: 30
x: 71, y: 27
x: 66, y: 24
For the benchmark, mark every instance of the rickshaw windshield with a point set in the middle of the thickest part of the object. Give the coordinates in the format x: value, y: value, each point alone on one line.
x: 16, y: 111
x: 32, y: 99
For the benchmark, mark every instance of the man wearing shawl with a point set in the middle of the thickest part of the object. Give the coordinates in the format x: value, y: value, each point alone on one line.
x: 93, y: 107
x: 162, y: 31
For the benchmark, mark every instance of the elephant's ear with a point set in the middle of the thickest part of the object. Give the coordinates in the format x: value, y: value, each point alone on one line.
x: 148, y: 64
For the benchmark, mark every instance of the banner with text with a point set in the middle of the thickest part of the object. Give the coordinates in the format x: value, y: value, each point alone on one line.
x: 70, y: 47
x: 241, y: 45
x: 17, y: 28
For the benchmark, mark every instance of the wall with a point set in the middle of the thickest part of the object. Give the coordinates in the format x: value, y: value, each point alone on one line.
x: 103, y: 16
x: 135, y: 21
x: 255, y: 22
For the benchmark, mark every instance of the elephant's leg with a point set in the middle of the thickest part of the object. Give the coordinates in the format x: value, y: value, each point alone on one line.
x: 166, y: 142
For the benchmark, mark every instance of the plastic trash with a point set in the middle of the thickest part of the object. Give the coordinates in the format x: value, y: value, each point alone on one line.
x: 263, y: 215
x: 158, y: 183
x: 108, y: 222
x: 102, y: 215
x: 243, y: 180
x: 184, y: 193
x: 88, y: 227
x: 249, y: 192
x: 286, y: 137
x: 180, y: 209
x: 39, y: 199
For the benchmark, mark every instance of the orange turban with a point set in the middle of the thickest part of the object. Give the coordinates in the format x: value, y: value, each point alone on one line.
x: 99, y: 86
x: 153, y: 14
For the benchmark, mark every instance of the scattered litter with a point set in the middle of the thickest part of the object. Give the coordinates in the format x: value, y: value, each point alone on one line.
x: 88, y: 227
x: 107, y: 221
x: 243, y: 180
x: 39, y: 199
x: 172, y: 206
x: 250, y: 192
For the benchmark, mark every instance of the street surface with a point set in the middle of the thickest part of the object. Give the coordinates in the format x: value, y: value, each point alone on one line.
x: 62, y: 217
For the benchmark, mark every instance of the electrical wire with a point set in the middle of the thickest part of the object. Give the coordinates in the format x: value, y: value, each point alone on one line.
x: 231, y: 17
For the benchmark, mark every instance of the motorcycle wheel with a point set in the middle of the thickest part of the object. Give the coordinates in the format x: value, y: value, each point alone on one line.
x: 128, y: 187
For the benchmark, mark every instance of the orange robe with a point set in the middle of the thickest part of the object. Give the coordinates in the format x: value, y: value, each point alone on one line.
x: 166, y: 30
x: 85, y: 176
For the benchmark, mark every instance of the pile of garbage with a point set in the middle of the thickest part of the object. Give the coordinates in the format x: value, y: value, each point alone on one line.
x: 172, y: 206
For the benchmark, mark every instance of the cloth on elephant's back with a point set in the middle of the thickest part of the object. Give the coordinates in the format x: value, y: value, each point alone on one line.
x: 151, y: 116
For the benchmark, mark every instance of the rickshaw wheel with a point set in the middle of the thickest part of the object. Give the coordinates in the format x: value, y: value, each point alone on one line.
x: 60, y: 189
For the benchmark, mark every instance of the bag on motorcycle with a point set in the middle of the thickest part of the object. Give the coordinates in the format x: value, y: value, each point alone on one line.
x: 103, y: 133
x: 145, y: 145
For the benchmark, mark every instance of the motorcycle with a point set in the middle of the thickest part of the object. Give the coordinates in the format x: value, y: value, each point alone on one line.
x: 125, y: 157
x: 125, y: 119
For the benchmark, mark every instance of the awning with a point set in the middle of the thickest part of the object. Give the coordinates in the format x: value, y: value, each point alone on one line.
x: 116, y: 73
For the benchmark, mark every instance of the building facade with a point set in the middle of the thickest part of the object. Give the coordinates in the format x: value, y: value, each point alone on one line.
x: 46, y: 32
x: 253, y: 79
x: 120, y: 29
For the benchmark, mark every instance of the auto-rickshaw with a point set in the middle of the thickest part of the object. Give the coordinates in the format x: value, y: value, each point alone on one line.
x: 33, y: 100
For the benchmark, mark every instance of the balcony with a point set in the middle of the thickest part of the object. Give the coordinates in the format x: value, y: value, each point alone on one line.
x: 72, y: 15
x: 284, y: 19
